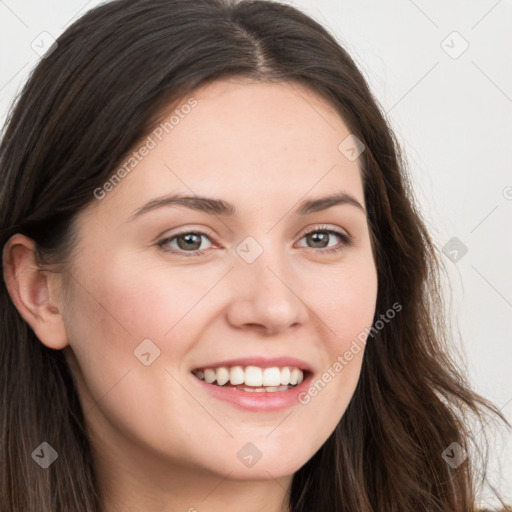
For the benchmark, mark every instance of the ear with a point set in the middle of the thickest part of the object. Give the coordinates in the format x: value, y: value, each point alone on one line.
x: 34, y: 291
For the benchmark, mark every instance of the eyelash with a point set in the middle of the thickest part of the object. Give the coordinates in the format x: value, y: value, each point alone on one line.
x: 345, y: 241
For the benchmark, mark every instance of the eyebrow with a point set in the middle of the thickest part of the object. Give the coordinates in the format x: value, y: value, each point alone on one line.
x: 219, y: 207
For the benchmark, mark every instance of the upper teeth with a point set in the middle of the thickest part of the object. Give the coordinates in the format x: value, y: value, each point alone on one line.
x: 251, y: 375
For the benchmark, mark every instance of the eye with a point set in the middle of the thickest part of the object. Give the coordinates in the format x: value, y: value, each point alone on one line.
x: 324, y: 238
x: 188, y: 241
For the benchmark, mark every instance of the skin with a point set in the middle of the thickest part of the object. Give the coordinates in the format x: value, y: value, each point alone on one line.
x: 161, y: 442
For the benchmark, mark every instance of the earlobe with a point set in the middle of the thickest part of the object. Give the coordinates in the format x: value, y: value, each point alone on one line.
x: 32, y: 291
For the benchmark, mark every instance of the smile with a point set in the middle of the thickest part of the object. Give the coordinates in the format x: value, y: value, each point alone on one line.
x: 252, y: 378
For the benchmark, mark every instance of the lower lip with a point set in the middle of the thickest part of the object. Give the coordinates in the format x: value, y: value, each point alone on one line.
x: 259, y: 401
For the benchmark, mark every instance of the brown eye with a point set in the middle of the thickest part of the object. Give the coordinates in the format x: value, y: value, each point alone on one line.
x: 325, y: 240
x: 318, y: 239
x: 188, y: 242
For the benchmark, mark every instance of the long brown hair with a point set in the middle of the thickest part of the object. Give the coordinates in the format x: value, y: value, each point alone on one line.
x: 84, y: 107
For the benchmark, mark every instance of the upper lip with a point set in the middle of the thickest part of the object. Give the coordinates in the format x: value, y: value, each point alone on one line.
x: 260, y: 361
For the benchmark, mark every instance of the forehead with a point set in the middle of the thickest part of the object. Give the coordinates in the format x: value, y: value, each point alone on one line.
x: 261, y: 126
x: 241, y: 141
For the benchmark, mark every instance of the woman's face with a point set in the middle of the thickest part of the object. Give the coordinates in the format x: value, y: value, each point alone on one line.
x: 279, y: 282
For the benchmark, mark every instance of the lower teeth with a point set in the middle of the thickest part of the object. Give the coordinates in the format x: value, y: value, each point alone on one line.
x: 270, y: 389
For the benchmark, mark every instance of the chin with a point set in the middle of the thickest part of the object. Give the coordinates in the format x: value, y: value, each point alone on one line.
x: 253, y: 461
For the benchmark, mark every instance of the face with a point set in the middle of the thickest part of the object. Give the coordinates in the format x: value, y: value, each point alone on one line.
x: 167, y: 294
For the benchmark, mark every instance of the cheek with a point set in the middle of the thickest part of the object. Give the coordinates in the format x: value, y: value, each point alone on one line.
x: 130, y: 300
x: 348, y: 308
x: 120, y: 304
x: 115, y: 309
x: 116, y: 305
x: 347, y: 304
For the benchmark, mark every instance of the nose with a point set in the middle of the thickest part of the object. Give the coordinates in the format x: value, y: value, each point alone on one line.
x: 266, y: 295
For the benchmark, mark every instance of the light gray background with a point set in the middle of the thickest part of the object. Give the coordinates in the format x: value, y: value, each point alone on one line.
x: 452, y: 112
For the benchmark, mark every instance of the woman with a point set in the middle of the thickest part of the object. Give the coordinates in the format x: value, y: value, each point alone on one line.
x: 218, y: 293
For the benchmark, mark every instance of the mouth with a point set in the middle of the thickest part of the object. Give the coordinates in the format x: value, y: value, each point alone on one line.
x: 253, y: 379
